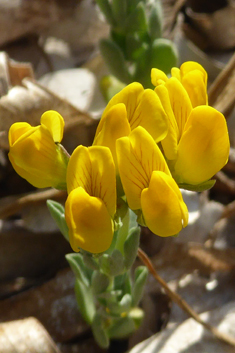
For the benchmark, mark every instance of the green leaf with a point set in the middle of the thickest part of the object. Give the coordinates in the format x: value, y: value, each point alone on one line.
x: 137, y: 21
x: 76, y: 263
x: 121, y: 328
x: 163, y: 55
x: 134, y: 46
x: 110, y: 296
x: 131, y: 246
x: 85, y: 301
x: 200, y: 187
x: 132, y: 4
x: 110, y: 86
x: 119, y: 9
x: 99, y: 282
x: 105, y: 7
x: 123, y: 282
x: 99, y: 332
x: 57, y: 212
x: 141, y: 274
x: 133, y: 219
x: 160, y: 54
x: 115, y: 60
x: 155, y: 20
x: 123, y: 306
x: 112, y: 265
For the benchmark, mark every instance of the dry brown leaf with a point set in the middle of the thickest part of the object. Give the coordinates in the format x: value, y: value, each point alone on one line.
x: 31, y: 17
x: 11, y: 205
x: 194, y: 256
x: 12, y: 73
x: 28, y: 103
x: 53, y: 303
x: 221, y: 93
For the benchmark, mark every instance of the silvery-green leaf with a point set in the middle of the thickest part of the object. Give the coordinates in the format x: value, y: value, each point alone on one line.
x: 121, y: 328
x: 155, y: 20
x: 105, y: 7
x: 113, y: 264
x: 115, y: 60
x: 131, y: 246
x: 141, y: 274
x: 85, y: 301
x: 99, y: 282
x: 99, y: 332
x: 57, y: 213
x: 77, y: 265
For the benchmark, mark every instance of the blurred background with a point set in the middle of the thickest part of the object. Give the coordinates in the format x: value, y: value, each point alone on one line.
x: 51, y: 58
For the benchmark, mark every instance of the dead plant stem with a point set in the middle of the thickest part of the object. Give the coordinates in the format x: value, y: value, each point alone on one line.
x: 181, y: 302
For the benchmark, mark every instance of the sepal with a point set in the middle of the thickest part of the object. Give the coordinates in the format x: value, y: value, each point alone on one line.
x: 89, y: 261
x: 206, y: 185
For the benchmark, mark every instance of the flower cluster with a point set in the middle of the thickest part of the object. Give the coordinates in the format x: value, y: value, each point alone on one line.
x: 149, y: 142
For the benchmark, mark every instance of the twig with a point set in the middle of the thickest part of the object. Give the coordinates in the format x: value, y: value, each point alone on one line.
x: 221, y: 92
x: 182, y: 303
x: 11, y: 205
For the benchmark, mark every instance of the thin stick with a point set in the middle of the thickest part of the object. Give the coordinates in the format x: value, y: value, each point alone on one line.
x: 182, y: 303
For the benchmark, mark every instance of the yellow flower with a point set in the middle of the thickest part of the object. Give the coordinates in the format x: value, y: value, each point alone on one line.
x: 193, y: 78
x: 91, y: 204
x: 133, y: 106
x: 35, y: 153
x: 148, y: 184
x: 197, y: 143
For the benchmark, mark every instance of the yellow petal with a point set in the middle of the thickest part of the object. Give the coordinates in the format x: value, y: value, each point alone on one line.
x: 17, y: 130
x: 55, y: 124
x: 103, y: 176
x: 180, y: 102
x: 157, y: 75
x: 189, y: 66
x: 33, y: 179
x: 143, y: 108
x: 163, y: 208
x: 138, y: 155
x: 204, y: 146
x: 111, y: 127
x: 175, y: 72
x: 130, y: 96
x: 170, y: 142
x: 93, y: 169
x: 150, y: 115
x: 35, y: 157
x: 194, y: 84
x: 79, y: 170
x: 89, y: 223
